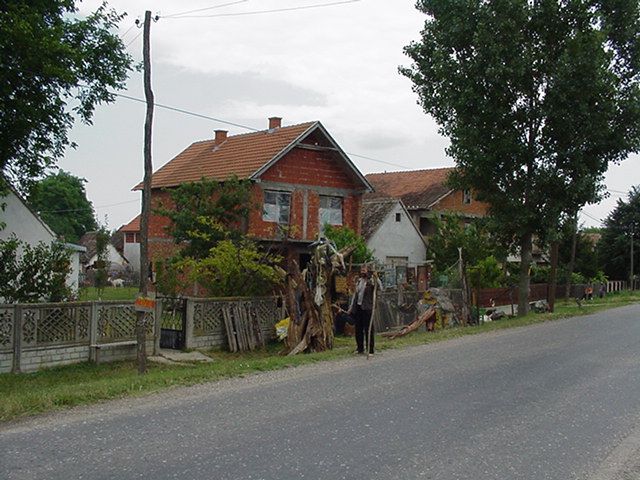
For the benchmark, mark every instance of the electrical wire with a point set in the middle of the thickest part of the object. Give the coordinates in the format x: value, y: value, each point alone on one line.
x: 84, y: 209
x: 186, y: 112
x: 133, y: 40
x: 173, y: 15
x: 260, y: 12
x: 127, y: 31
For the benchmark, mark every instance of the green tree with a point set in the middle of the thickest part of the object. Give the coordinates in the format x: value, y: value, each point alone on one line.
x: 33, y: 273
x: 101, y: 264
x: 344, y: 237
x: 55, y: 66
x: 206, y: 212
x: 615, y: 245
x: 452, y: 233
x: 235, y: 269
x: 537, y: 99
x: 61, y: 201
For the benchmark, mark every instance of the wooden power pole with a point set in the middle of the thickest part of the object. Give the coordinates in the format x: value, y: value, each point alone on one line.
x: 146, y: 193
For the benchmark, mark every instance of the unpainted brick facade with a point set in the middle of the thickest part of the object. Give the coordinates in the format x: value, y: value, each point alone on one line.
x: 304, y: 173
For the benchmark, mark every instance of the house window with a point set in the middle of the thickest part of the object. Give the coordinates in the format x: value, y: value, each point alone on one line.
x: 330, y: 210
x: 276, y: 207
x: 398, y: 217
x: 466, y: 197
x: 130, y: 237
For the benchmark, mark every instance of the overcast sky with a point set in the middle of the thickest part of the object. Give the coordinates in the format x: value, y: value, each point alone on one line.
x: 337, y: 64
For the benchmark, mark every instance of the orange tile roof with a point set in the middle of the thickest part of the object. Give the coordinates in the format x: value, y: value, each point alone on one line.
x: 132, y: 226
x: 416, y: 188
x: 240, y: 155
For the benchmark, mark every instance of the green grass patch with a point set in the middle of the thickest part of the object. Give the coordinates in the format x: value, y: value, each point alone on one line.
x: 87, y: 383
x: 87, y: 294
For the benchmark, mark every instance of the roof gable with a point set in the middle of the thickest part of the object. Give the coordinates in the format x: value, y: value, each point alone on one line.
x: 246, y: 156
x: 416, y: 188
x: 376, y: 210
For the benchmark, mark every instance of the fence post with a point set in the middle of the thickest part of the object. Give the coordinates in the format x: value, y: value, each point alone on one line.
x: 93, y: 332
x: 188, y: 325
x: 157, y: 326
x: 17, y: 338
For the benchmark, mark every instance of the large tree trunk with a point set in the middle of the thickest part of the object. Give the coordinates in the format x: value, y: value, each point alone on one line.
x: 572, y: 260
x: 525, y: 265
x: 554, y: 274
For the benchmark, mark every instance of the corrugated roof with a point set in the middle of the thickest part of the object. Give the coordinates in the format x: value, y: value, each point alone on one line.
x: 374, y: 212
x: 416, y: 188
x: 240, y: 155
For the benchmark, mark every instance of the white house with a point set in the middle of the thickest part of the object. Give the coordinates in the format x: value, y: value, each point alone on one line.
x: 20, y: 220
x: 391, y: 234
x: 131, y: 242
x: 117, y: 263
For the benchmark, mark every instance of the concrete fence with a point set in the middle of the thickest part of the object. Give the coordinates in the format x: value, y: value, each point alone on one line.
x: 34, y: 336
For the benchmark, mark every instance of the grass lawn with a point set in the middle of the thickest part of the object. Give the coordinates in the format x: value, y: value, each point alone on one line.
x: 108, y: 293
x: 63, y: 387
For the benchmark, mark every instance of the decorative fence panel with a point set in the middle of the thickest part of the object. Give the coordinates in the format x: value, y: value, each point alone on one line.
x: 55, y: 324
x: 206, y: 318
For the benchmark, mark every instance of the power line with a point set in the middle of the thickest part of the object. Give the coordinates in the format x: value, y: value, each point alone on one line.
x: 219, y: 120
x: 260, y: 12
x: 127, y: 31
x: 84, y: 209
x: 203, y: 9
x: 379, y: 161
x: 133, y: 40
x: 186, y: 112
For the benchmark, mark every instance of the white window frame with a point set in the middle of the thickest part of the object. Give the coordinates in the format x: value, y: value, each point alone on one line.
x: 278, y: 210
x: 332, y: 215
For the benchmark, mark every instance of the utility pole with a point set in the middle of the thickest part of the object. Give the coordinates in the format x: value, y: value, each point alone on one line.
x: 631, y: 263
x: 146, y: 193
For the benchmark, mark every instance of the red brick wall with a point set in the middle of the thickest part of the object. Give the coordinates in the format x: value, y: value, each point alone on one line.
x: 299, y: 167
x: 310, y: 167
x: 454, y: 203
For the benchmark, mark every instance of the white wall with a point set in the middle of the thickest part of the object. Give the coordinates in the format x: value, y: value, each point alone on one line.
x: 113, y: 257
x: 23, y: 223
x: 398, y: 239
x: 132, y: 253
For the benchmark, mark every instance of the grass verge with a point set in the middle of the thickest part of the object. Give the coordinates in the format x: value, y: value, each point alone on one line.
x: 87, y: 383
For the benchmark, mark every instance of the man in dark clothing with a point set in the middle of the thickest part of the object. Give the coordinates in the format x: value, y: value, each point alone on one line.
x: 361, y: 307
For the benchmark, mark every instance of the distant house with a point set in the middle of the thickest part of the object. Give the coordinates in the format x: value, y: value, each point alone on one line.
x: 301, y: 180
x: 391, y: 234
x: 117, y: 264
x: 23, y: 222
x: 427, y: 196
x: 130, y: 235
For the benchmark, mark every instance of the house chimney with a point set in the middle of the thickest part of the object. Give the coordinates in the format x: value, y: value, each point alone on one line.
x: 275, y: 122
x: 221, y: 136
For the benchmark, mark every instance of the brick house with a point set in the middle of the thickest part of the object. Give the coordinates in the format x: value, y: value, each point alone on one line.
x: 301, y: 179
x: 427, y: 196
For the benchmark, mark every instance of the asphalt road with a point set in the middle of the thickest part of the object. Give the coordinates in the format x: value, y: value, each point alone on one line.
x: 559, y: 400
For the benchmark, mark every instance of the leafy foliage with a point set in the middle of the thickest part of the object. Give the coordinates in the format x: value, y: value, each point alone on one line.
x: 235, y: 269
x: 537, y: 99
x: 61, y: 201
x: 101, y: 264
x: 52, y: 59
x: 487, y: 273
x: 206, y: 212
x: 452, y: 233
x: 33, y: 273
x: 343, y: 237
x: 615, y: 244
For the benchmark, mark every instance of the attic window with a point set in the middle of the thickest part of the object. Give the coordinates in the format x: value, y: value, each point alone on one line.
x: 466, y: 197
x: 330, y: 210
x: 398, y: 217
x: 276, y: 207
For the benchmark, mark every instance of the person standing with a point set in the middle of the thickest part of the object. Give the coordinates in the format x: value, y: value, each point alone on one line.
x: 361, y: 307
